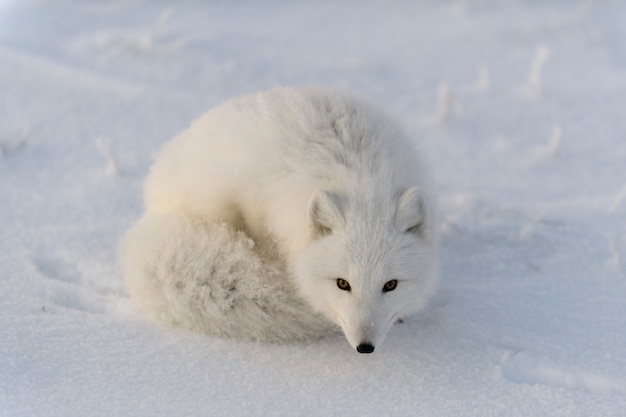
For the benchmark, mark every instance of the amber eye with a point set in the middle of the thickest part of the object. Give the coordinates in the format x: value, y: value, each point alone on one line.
x: 343, y: 284
x: 390, y: 285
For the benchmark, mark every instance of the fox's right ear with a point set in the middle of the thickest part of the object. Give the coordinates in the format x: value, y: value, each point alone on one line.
x: 412, y: 213
x: 325, y: 212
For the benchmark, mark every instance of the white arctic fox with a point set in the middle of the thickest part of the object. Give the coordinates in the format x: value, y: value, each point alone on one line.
x: 283, y: 214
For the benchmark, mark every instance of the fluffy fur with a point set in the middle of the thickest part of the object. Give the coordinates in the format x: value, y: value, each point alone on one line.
x: 254, y: 212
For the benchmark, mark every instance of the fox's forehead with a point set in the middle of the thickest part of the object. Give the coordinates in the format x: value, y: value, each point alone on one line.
x: 371, y: 255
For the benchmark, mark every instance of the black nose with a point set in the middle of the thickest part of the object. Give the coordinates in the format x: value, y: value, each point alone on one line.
x: 365, y: 348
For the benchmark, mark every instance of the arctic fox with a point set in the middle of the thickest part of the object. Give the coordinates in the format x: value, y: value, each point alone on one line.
x: 283, y: 215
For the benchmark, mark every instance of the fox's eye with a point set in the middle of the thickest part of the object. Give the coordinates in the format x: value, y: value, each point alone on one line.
x: 343, y: 284
x: 390, y: 285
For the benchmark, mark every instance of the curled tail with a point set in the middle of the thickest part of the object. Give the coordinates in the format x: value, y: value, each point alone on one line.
x: 214, y: 279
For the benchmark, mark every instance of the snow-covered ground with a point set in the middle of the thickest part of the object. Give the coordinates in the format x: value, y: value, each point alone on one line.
x: 521, y: 107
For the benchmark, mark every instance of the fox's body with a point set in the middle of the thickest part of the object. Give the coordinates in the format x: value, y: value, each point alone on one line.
x: 324, y: 177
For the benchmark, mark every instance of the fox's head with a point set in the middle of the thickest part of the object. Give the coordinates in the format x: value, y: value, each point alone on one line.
x: 370, y: 261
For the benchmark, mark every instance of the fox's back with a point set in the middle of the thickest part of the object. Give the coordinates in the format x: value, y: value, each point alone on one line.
x: 258, y: 159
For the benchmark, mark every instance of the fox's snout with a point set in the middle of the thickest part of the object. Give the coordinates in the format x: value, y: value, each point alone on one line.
x: 364, y: 337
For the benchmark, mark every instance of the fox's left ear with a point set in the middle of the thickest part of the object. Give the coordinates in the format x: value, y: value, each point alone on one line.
x: 412, y: 212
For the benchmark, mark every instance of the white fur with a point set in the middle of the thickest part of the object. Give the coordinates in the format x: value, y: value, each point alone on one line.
x: 325, y: 184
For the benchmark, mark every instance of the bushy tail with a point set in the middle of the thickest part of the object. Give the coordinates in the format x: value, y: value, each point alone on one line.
x: 213, y: 279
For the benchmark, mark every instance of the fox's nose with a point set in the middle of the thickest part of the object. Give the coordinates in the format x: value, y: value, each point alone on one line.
x: 365, y: 348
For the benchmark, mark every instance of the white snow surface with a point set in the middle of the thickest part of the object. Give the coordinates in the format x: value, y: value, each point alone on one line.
x: 521, y: 107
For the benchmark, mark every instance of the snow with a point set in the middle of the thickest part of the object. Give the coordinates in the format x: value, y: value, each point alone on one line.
x: 525, y: 104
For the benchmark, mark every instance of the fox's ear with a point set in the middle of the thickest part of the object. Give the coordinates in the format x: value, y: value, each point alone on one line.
x: 412, y: 212
x: 325, y: 212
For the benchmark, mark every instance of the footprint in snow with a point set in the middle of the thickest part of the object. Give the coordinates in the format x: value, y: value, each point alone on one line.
x: 56, y: 269
x: 521, y: 369
x: 70, y: 290
x: 8, y: 147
